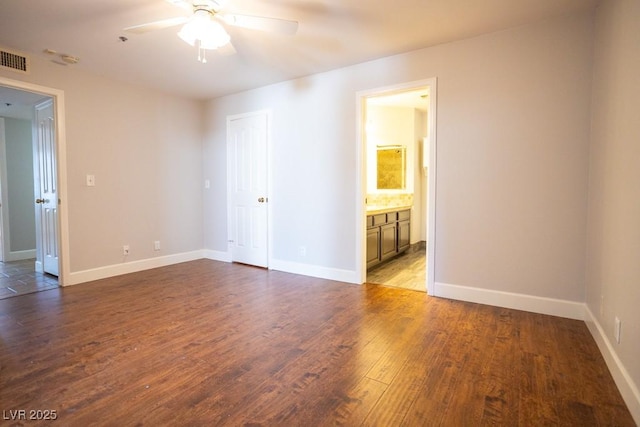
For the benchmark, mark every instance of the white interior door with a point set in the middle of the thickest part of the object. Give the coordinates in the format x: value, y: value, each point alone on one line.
x: 247, y: 138
x: 46, y: 188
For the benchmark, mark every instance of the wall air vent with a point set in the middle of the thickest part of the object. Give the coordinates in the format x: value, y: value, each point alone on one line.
x: 14, y: 61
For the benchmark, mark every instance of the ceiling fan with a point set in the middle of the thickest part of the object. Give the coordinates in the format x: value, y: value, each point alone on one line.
x: 205, y: 27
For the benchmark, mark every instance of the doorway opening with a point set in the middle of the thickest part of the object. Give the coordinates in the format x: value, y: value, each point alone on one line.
x: 397, y: 134
x: 33, y: 241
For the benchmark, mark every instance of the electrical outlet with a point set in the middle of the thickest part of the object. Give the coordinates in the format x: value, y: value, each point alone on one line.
x: 125, y: 250
x: 303, y: 251
x: 617, y: 330
x: 156, y: 245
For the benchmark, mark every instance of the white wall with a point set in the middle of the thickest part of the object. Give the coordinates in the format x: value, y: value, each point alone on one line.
x: 513, y: 130
x: 312, y: 204
x: 419, y: 228
x: 613, y: 250
x: 390, y: 125
x: 144, y: 149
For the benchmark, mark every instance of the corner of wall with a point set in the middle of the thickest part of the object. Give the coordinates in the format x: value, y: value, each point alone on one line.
x: 628, y: 388
x: 554, y: 307
x: 217, y: 255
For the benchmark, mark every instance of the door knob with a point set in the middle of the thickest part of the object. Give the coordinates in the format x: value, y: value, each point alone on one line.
x: 261, y: 200
x: 40, y: 201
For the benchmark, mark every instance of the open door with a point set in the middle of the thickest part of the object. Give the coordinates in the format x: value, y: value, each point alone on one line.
x: 46, y: 191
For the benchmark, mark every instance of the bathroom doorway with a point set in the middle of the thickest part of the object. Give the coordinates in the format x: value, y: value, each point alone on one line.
x: 34, y: 115
x: 19, y: 273
x: 397, y: 128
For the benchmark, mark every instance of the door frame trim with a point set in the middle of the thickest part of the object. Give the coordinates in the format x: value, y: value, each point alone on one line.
x: 61, y: 158
x: 361, y: 187
x: 4, y: 228
x: 268, y: 113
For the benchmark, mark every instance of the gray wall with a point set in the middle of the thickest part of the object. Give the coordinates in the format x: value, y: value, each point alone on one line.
x: 513, y: 132
x: 19, y: 151
x: 144, y: 149
x: 613, y: 246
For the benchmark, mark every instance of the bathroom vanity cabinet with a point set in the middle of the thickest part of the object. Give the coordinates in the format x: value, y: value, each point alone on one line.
x: 388, y: 235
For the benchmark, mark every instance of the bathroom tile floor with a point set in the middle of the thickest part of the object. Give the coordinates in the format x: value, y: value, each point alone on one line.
x: 20, y: 277
x: 407, y: 271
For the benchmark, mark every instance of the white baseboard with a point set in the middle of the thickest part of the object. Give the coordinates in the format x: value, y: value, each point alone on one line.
x: 293, y: 267
x: 551, y: 306
x: 217, y: 255
x: 21, y: 255
x: 314, y: 271
x: 628, y: 388
x: 78, y: 277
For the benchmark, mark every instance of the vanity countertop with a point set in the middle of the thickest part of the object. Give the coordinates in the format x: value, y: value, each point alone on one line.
x: 375, y: 210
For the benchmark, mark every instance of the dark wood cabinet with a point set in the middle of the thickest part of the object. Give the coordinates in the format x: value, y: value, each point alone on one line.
x: 404, y: 230
x: 388, y: 235
x: 388, y: 241
x: 373, y: 246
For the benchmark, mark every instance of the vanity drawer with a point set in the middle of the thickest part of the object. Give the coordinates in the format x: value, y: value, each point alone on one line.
x: 404, y: 215
x: 379, y: 219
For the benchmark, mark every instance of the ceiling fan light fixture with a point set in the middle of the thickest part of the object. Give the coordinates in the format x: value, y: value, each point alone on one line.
x: 201, y: 29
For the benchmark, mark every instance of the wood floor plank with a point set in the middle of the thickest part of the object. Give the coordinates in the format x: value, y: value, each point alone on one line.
x: 502, y: 373
x: 211, y: 343
x: 477, y: 334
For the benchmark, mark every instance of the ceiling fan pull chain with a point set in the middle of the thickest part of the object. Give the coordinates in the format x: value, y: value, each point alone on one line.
x: 202, y: 52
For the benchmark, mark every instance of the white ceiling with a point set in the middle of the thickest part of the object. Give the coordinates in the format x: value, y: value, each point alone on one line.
x: 332, y: 34
x: 18, y: 104
x: 417, y: 99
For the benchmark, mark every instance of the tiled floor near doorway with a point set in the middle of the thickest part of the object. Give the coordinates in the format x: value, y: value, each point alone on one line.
x: 20, y: 277
x: 407, y: 271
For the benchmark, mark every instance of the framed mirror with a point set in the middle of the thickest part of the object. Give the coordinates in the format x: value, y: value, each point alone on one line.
x: 392, y: 167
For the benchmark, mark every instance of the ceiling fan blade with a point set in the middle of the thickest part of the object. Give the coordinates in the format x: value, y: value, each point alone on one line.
x: 261, y: 23
x: 157, y: 25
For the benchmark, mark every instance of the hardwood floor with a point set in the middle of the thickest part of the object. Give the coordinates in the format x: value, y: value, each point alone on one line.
x: 210, y: 343
x: 20, y: 277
